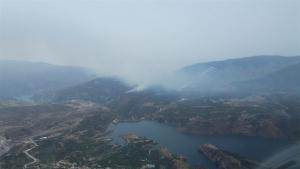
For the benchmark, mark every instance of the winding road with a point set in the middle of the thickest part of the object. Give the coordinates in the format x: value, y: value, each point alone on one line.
x: 34, y: 160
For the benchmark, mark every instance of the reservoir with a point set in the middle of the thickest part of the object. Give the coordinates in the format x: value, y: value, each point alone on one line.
x: 187, y: 145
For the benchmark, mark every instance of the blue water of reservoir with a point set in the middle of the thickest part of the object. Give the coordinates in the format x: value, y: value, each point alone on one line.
x: 187, y: 145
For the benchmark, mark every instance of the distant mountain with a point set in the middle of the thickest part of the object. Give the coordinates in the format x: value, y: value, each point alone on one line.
x: 284, y: 80
x: 19, y: 78
x: 119, y: 96
x: 98, y: 90
x: 219, y: 75
x: 230, y: 75
x: 252, y: 74
x: 106, y: 90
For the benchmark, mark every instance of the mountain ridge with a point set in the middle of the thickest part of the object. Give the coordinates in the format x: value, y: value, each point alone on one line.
x: 218, y: 76
x: 19, y: 78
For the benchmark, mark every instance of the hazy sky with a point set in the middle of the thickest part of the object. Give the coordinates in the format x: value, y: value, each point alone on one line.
x: 141, y: 39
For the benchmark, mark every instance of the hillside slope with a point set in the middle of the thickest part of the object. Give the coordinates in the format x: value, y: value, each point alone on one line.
x: 285, y: 80
x: 218, y: 75
x: 19, y: 78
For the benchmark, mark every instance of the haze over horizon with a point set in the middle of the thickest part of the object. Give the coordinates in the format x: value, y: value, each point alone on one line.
x: 143, y: 40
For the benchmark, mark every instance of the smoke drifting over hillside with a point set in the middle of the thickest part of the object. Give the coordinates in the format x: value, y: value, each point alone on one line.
x: 141, y: 40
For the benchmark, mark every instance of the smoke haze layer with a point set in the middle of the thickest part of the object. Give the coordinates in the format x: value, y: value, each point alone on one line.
x: 141, y: 40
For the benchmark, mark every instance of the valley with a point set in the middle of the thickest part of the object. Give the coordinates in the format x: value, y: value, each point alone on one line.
x: 108, y: 123
x: 77, y: 133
